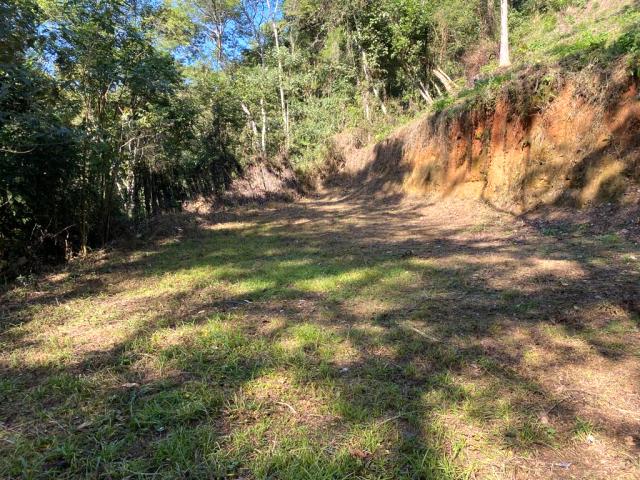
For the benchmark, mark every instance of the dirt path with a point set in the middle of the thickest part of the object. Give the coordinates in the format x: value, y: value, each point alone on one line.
x: 337, y: 336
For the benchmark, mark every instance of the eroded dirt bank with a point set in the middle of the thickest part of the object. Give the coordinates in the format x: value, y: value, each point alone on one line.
x: 546, y: 139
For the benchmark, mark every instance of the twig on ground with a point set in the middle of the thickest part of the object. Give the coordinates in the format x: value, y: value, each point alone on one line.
x: 293, y: 410
x: 390, y: 419
x: 422, y: 334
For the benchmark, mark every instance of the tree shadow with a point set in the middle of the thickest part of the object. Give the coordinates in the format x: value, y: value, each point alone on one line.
x: 437, y: 321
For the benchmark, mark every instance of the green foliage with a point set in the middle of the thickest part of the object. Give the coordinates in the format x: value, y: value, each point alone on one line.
x: 442, y: 104
x: 98, y: 128
x: 584, y: 48
x: 459, y: 27
x: 533, y: 6
x: 588, y: 33
x: 37, y: 159
x: 113, y: 111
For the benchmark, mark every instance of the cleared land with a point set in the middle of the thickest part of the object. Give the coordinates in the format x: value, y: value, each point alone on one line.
x: 338, y: 337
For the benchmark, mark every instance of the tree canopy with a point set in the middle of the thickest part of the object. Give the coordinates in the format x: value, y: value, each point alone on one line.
x: 113, y: 111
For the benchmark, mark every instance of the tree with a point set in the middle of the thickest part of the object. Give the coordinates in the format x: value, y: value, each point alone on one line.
x: 219, y: 17
x: 38, y: 162
x: 284, y: 109
x: 505, y: 60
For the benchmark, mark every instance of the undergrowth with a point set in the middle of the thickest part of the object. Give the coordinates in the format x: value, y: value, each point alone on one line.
x: 564, y: 39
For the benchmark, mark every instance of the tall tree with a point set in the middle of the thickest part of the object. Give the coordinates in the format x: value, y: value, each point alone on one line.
x: 219, y: 17
x: 505, y: 59
x: 273, y: 5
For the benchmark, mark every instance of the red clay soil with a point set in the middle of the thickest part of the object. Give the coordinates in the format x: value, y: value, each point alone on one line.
x: 573, y: 142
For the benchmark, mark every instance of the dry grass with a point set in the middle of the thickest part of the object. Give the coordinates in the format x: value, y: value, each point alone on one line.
x: 340, y: 337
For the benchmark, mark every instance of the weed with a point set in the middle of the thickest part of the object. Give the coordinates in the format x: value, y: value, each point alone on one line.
x: 583, y: 428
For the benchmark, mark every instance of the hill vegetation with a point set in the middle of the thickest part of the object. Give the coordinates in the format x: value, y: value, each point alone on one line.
x: 115, y: 111
x: 318, y: 239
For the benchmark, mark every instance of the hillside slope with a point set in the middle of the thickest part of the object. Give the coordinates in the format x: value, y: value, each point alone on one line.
x: 561, y: 128
x: 548, y: 138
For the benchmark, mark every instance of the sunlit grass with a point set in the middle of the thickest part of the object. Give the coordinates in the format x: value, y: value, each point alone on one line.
x: 259, y: 351
x: 584, y: 33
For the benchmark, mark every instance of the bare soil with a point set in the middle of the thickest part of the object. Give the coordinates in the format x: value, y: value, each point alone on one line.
x: 507, y: 346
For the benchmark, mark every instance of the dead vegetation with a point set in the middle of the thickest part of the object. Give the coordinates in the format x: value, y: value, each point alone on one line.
x: 337, y: 336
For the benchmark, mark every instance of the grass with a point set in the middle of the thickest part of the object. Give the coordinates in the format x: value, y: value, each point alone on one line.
x: 566, y: 37
x: 579, y: 34
x: 261, y: 347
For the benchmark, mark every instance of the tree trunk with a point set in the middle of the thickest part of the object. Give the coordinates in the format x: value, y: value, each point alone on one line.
x: 489, y: 19
x: 364, y: 92
x: 283, y: 102
x: 263, y: 140
x: 369, y: 81
x: 438, y: 90
x: 252, y: 122
x: 424, y: 93
x: 365, y: 104
x: 444, y: 79
x: 84, y: 202
x: 505, y: 61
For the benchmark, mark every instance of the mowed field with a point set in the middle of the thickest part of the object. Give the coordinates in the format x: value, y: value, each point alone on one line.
x: 339, y: 337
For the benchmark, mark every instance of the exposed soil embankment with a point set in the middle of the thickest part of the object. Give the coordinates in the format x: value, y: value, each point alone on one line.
x: 261, y: 183
x: 544, y: 139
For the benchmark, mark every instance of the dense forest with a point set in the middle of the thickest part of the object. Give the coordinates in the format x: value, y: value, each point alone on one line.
x: 113, y: 111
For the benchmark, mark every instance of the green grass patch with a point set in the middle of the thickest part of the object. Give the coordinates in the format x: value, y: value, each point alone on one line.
x: 262, y: 349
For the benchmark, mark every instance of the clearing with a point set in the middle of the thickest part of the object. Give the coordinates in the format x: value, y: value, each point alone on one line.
x: 337, y: 337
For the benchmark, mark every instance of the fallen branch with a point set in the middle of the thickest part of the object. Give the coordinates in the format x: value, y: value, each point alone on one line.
x: 422, y: 334
x: 284, y: 404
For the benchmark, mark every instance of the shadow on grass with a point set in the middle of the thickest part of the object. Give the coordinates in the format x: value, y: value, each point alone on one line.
x: 331, y: 339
